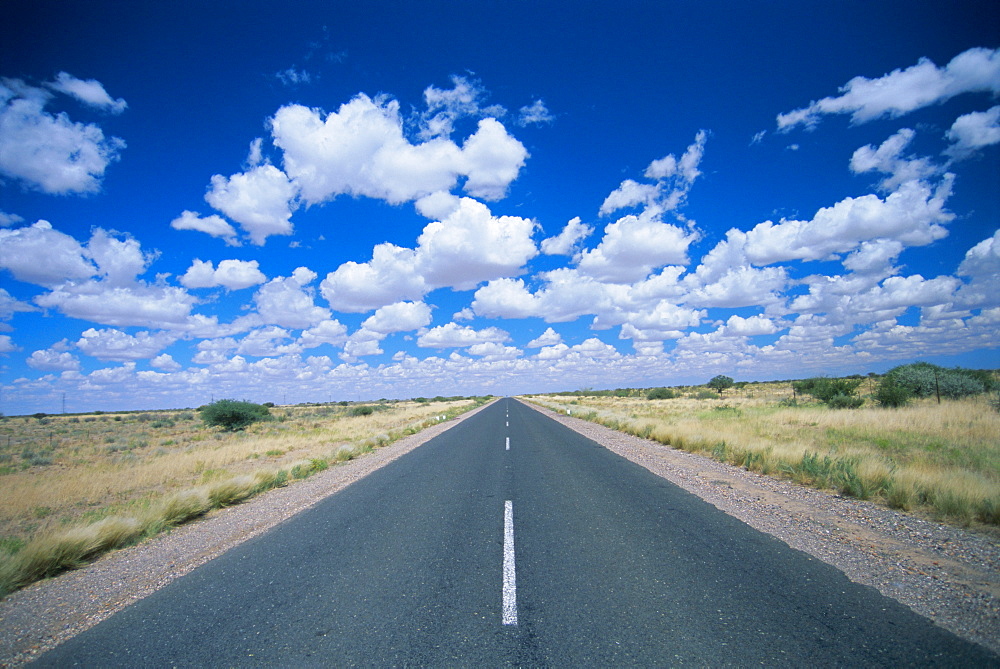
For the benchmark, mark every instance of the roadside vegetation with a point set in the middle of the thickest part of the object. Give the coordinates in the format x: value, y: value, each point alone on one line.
x: 933, y: 449
x: 74, y: 487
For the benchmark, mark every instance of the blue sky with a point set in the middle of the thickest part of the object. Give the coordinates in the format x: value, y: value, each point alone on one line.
x: 327, y: 200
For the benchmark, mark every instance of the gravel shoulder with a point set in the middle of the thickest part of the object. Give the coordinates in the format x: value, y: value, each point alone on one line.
x: 947, y: 574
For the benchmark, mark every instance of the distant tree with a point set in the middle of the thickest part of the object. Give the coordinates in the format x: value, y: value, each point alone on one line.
x: 720, y: 383
x: 231, y: 415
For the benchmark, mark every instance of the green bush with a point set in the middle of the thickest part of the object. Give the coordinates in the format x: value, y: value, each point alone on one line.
x: 845, y: 402
x: 362, y: 411
x: 891, y: 394
x: 825, y: 389
x: 922, y: 379
x: 660, y: 394
x: 231, y: 415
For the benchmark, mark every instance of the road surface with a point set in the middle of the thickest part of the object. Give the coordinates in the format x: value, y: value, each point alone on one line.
x: 510, y: 540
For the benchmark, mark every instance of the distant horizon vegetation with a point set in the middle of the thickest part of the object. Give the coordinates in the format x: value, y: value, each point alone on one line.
x: 620, y: 391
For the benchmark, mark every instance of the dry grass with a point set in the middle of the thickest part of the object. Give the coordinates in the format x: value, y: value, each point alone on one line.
x: 74, y: 487
x: 940, y: 458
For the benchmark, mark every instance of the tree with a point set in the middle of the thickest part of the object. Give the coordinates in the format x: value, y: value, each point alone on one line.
x: 720, y: 383
x: 231, y: 415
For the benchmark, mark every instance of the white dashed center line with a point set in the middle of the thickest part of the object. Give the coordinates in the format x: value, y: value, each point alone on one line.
x: 508, y: 443
x: 509, y: 581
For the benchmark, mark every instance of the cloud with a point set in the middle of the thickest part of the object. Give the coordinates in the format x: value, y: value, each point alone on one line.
x: 398, y: 317
x: 742, y: 286
x: 534, y: 114
x: 139, y: 305
x: 565, y: 243
x: 494, y: 351
x: 566, y: 295
x: 119, y: 260
x: 97, y: 282
x: 231, y: 274
x: 749, y: 327
x: 7, y: 345
x: 266, y: 342
x: 292, y: 77
x: 41, y: 255
x: 213, y: 225
x: 165, y: 362
x: 289, y: 303
x: 50, y: 152
x: 9, y: 305
x: 874, y: 257
x: 888, y: 158
x: 971, y: 132
x: 471, y: 246
x: 452, y: 335
x: 390, y: 276
x: 665, y: 321
x: 633, y: 247
x: 983, y: 259
x: 913, y: 215
x: 982, y: 266
x: 548, y: 338
x: 113, y: 344
x: 361, y: 150
x: 446, y: 106
x: 903, y: 91
x: 53, y: 359
x: 331, y: 332
x: 673, y: 179
x: 466, y: 248
x: 491, y: 160
x: 9, y: 219
x: 261, y: 200
x: 90, y: 92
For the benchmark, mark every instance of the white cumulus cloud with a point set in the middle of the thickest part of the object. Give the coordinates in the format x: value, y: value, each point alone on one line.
x: 231, y: 274
x: 50, y: 152
x: 452, y: 335
x: 261, y: 200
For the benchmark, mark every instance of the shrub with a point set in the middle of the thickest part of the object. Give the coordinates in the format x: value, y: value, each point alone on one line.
x: 825, y: 389
x: 922, y: 379
x: 362, y: 411
x: 231, y: 415
x: 891, y: 394
x: 845, y: 402
x: 661, y: 394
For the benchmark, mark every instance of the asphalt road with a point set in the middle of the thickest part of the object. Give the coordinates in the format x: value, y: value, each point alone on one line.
x: 597, y: 562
